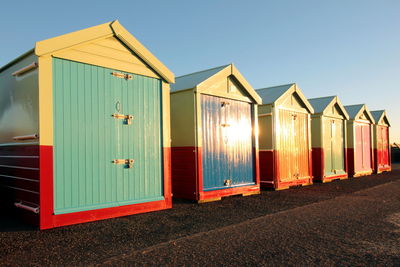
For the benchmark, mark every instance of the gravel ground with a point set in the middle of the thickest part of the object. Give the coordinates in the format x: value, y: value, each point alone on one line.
x: 349, y: 222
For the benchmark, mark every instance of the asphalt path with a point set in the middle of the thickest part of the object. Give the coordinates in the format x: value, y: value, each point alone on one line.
x: 354, y: 222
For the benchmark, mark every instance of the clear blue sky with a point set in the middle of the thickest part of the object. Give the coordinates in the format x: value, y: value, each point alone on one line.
x: 349, y: 48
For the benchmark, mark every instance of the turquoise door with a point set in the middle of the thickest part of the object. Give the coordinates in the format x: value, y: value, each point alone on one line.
x: 107, y: 138
x: 227, y: 149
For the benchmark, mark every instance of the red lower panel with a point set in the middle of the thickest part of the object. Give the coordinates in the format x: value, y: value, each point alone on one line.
x: 352, y: 169
x: 277, y: 185
x: 381, y: 161
x: 269, y: 171
x: 318, y: 163
x: 167, y: 177
x: 187, y: 176
x: 184, y: 165
x: 49, y: 220
x: 350, y: 161
x: 256, y: 154
x: 229, y: 192
x: 333, y: 177
x: 19, y: 178
x: 101, y: 214
x: 267, y: 165
x: 46, y: 188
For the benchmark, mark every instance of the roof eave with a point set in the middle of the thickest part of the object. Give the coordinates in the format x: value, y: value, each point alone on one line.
x: 128, y: 39
x: 12, y: 62
x: 105, y: 30
x: 250, y: 90
x: 304, y: 99
x: 362, y: 109
x: 336, y: 100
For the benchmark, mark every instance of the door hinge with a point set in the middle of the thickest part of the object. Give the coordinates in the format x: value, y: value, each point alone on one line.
x: 127, y: 162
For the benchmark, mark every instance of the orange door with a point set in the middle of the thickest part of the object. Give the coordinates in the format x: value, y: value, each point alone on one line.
x: 293, y: 146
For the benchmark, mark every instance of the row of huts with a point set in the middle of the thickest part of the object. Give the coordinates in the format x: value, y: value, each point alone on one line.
x: 94, y: 126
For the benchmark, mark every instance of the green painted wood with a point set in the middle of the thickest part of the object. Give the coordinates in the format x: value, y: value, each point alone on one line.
x: 338, y: 147
x: 333, y: 147
x: 87, y: 138
x: 328, y: 143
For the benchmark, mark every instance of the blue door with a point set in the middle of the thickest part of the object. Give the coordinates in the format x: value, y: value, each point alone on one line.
x: 227, y: 151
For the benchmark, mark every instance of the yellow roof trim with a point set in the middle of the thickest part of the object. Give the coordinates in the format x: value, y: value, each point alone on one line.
x: 226, y: 72
x: 235, y: 72
x: 104, y: 31
x: 295, y: 89
x: 364, y: 107
x: 128, y: 39
x: 382, y: 117
x: 334, y: 101
x: 71, y: 39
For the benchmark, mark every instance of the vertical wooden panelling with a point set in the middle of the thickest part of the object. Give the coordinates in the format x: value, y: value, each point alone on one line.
x: 302, y: 144
x: 293, y: 145
x: 227, y: 143
x: 385, y: 146
x: 333, y: 146
x: 358, y: 148
x: 382, y: 149
x: 328, y: 146
x: 338, y: 146
x: 367, y: 160
x: 240, y: 143
x: 362, y: 150
x: 285, y: 145
x: 88, y: 138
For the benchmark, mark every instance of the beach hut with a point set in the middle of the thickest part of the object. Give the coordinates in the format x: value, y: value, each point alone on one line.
x: 328, y: 139
x: 284, y: 137
x: 359, y: 140
x: 84, y: 128
x: 382, y: 151
x: 213, y: 129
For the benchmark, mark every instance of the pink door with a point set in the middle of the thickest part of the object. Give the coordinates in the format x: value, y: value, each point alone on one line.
x: 358, y: 148
x: 383, y: 148
x: 367, y: 162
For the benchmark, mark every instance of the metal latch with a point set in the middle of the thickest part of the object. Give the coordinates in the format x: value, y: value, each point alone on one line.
x: 128, y: 118
x: 122, y: 75
x: 127, y: 162
x: 224, y: 103
x: 225, y: 124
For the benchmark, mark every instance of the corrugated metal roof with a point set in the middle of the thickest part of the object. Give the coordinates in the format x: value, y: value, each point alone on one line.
x: 191, y: 80
x: 320, y: 104
x: 352, y: 110
x: 270, y: 94
x: 377, y: 114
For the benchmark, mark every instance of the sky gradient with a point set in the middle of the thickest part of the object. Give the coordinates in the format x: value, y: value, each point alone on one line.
x: 349, y: 48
